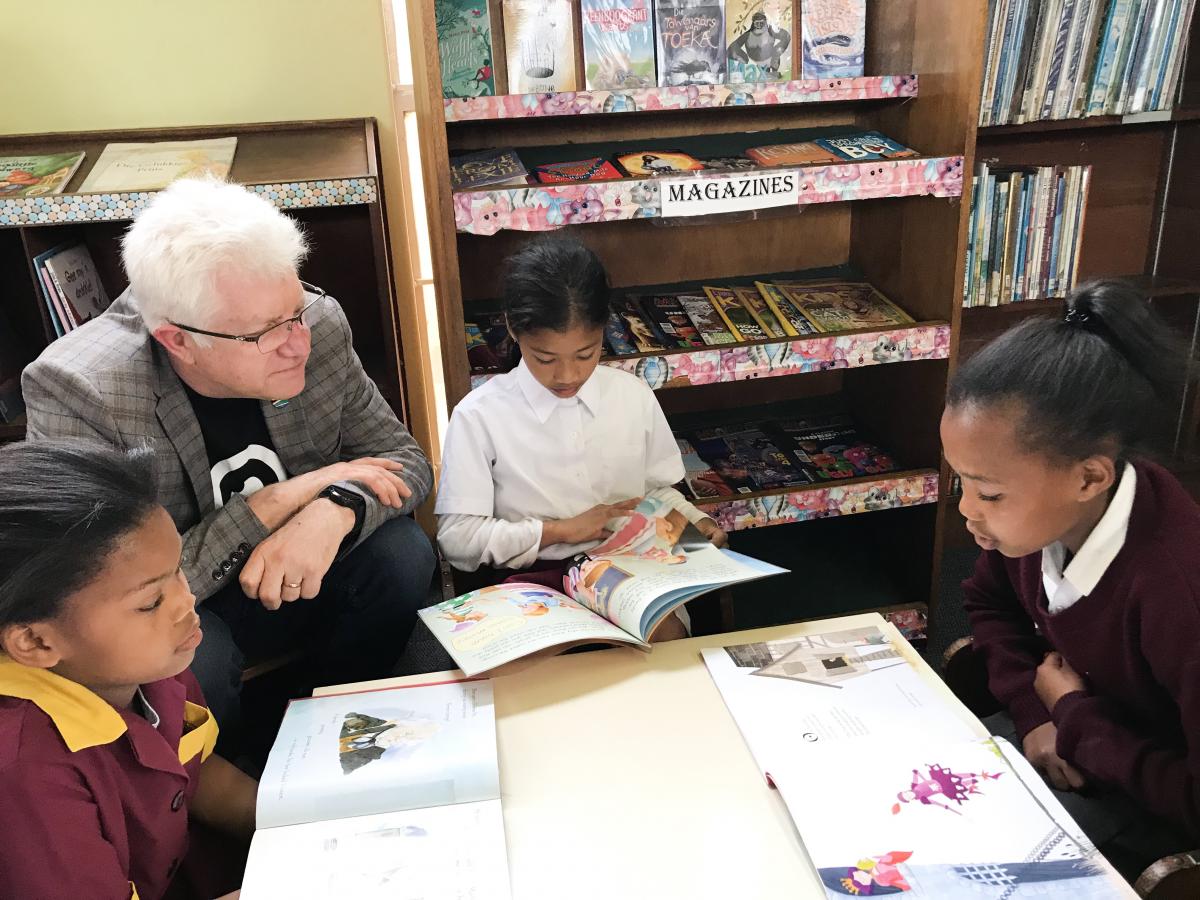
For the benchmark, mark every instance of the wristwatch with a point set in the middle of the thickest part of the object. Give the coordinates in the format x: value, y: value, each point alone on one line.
x: 351, y: 501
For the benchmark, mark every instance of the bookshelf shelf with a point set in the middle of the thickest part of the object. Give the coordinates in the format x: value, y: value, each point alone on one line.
x: 686, y: 97
x: 852, y: 497
x: 1053, y: 126
x: 547, y: 207
x: 1154, y: 287
x: 775, y: 359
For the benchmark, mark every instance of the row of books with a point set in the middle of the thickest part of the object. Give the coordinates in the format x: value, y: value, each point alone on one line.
x: 1026, y: 229
x: 770, y: 455
x: 709, y: 317
x: 505, y: 168
x: 70, y: 285
x: 629, y: 44
x: 121, y: 167
x: 1064, y: 59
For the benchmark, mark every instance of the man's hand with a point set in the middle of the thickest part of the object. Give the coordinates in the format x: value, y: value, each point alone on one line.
x: 277, y: 503
x: 1055, y: 679
x: 587, y: 526
x: 1040, y: 750
x: 291, y: 563
x: 711, y: 530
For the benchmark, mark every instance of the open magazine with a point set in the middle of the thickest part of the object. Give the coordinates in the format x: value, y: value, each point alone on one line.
x: 618, y: 593
x: 369, y: 793
x: 892, y: 790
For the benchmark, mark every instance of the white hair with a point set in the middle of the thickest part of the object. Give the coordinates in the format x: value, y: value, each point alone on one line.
x: 191, y: 231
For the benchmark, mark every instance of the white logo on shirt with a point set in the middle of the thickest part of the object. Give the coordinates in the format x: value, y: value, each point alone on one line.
x: 246, y: 472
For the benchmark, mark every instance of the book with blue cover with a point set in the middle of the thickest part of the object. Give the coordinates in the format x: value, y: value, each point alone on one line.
x: 834, y: 37
x: 866, y: 146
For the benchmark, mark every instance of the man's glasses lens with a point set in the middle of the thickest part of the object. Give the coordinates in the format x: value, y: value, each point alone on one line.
x: 272, y: 340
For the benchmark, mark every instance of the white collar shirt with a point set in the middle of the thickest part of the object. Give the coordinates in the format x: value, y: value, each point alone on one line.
x: 1079, y: 578
x: 516, y: 452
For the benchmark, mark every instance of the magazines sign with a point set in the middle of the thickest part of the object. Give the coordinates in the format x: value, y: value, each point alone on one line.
x: 736, y: 192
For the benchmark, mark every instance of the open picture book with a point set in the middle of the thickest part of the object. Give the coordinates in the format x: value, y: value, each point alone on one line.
x: 652, y: 564
x: 382, y: 793
x: 892, y: 787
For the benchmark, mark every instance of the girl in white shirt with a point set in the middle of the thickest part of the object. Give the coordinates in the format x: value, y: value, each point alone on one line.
x: 538, y: 461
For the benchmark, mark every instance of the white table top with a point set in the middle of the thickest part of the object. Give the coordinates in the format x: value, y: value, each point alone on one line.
x: 624, y: 776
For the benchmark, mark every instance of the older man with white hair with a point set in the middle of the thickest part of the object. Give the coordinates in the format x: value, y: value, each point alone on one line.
x: 285, y: 471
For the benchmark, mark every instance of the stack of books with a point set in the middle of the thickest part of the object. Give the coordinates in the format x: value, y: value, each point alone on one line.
x: 767, y: 455
x: 1025, y: 233
x: 1063, y: 59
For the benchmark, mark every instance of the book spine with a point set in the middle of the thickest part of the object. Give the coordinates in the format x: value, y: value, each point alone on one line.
x: 1171, y: 51
x: 1085, y: 186
x: 1106, y: 64
x: 1058, y: 58
x: 1171, y: 86
x: 1027, y: 202
x: 1092, y: 41
x: 1071, y: 57
x: 1053, y: 287
x: 972, y: 219
x: 986, y: 195
x: 1011, y: 220
x: 1020, y: 53
x: 1119, y: 87
x: 69, y: 321
x: 996, y: 260
x: 1151, y: 46
x: 1005, y: 61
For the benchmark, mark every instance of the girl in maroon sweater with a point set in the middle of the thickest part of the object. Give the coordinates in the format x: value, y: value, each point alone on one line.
x: 1085, y: 604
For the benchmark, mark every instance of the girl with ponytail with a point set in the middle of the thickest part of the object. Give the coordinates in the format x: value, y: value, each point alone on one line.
x: 1085, y: 604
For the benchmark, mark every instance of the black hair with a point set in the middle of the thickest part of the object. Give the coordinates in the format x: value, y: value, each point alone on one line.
x: 1103, y: 378
x: 64, y: 505
x: 554, y: 283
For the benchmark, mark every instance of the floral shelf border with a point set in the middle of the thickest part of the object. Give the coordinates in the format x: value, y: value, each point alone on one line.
x: 59, y: 209
x: 695, y: 96
x: 742, y: 362
x: 546, y: 207
x: 824, y: 502
x: 820, y: 353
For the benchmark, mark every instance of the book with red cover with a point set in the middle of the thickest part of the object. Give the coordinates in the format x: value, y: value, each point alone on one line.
x: 596, y: 169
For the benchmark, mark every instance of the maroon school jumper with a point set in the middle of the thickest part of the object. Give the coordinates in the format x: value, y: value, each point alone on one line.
x: 1135, y: 640
x: 108, y: 819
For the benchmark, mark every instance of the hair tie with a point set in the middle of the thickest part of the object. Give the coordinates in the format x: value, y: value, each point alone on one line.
x: 1077, y: 316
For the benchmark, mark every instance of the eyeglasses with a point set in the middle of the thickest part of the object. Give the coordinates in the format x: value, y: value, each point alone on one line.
x: 277, y: 335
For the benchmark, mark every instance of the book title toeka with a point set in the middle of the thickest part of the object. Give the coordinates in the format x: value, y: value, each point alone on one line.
x: 691, y: 31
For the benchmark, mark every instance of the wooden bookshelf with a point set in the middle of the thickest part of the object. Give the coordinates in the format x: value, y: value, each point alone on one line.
x: 325, y: 174
x: 904, y: 240
x: 1142, y: 215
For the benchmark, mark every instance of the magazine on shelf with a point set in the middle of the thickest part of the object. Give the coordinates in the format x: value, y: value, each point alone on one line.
x: 367, y: 791
x: 151, y: 166
x: 618, y: 593
x: 36, y: 175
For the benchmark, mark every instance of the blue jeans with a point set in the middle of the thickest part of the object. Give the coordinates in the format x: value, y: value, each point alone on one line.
x: 354, y: 630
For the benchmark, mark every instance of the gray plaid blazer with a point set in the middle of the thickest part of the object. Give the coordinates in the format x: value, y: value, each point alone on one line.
x: 111, y: 381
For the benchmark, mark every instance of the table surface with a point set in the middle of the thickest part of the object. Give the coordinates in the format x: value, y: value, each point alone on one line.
x: 623, y: 775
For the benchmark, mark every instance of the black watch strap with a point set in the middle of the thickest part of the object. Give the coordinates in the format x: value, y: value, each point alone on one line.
x: 351, y: 501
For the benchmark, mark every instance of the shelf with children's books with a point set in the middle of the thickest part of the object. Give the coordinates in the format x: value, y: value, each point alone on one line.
x: 681, y: 97
x: 691, y: 177
x: 293, y: 165
x: 1051, y: 126
x: 1155, y: 288
x: 907, y: 247
x: 820, y: 501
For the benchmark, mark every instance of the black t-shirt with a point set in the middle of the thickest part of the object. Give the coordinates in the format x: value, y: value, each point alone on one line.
x: 241, y: 455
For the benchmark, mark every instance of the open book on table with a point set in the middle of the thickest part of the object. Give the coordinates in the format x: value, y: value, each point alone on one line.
x: 366, y: 794
x: 892, y: 786
x: 618, y: 593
